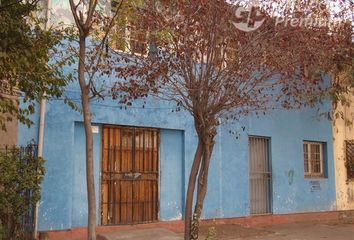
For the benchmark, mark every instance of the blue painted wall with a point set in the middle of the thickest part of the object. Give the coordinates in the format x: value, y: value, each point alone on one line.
x: 292, y: 192
x: 172, y: 174
x: 63, y: 203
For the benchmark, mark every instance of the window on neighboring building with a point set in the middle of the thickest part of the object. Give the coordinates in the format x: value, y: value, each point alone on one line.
x: 313, y: 159
x: 130, y: 34
x: 349, y: 158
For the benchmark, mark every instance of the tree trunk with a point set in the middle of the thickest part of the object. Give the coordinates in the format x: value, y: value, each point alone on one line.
x: 202, y: 185
x: 85, y: 101
x: 191, y: 186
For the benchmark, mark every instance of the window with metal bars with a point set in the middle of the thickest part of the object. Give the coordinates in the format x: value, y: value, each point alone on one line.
x: 313, y: 159
x: 349, y: 158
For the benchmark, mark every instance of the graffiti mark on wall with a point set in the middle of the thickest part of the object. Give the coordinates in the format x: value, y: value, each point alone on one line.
x: 315, y: 186
x: 291, y: 176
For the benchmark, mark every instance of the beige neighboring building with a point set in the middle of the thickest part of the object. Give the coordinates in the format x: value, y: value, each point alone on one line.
x: 8, y: 137
x: 343, y: 133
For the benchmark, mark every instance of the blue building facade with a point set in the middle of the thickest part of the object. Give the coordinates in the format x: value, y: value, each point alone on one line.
x: 64, y: 202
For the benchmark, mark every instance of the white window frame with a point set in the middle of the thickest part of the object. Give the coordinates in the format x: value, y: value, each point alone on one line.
x: 310, y: 173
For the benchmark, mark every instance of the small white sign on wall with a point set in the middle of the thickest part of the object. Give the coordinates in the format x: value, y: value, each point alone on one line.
x: 95, y: 129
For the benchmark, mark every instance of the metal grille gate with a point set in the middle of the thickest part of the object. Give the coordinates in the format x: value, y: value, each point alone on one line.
x: 129, y: 175
x: 349, y: 156
x: 260, y: 175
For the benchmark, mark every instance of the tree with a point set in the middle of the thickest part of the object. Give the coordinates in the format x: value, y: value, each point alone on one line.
x: 343, y: 77
x: 84, y: 26
x: 25, y: 47
x: 94, y: 27
x: 220, y: 70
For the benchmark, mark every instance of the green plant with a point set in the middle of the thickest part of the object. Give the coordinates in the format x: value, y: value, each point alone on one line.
x: 1, y: 232
x: 211, y: 233
x: 21, y: 173
x: 26, y: 74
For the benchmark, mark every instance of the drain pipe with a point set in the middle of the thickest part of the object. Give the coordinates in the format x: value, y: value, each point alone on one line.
x: 41, y: 130
x: 40, y: 154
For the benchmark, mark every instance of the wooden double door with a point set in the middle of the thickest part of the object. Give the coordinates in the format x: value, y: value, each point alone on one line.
x: 129, y: 175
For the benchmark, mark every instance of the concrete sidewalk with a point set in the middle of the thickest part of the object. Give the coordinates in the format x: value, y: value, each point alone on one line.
x: 143, y: 234
x: 334, y: 230
x: 307, y: 231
